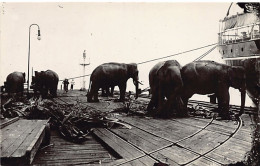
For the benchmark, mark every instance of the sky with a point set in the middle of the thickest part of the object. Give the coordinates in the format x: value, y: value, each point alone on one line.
x: 122, y: 32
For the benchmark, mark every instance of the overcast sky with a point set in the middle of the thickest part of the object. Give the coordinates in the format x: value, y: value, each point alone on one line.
x: 109, y: 32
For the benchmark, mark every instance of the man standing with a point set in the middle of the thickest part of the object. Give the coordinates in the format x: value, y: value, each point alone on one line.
x: 72, y: 84
x: 66, y: 84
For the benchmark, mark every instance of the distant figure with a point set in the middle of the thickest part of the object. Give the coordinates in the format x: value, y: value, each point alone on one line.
x: 72, y: 84
x: 66, y: 84
x: 61, y: 87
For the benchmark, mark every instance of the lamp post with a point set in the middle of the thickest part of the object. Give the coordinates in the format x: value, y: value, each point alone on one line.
x: 84, y: 65
x: 39, y: 38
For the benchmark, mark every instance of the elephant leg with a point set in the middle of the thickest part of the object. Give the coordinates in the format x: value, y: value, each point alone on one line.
x: 90, y: 95
x: 96, y: 95
x: 103, y: 92
x: 53, y: 91
x: 161, y: 96
x: 153, y: 102
x: 122, y: 89
x: 112, y: 91
x: 185, y: 99
x: 223, y: 103
x: 107, y: 91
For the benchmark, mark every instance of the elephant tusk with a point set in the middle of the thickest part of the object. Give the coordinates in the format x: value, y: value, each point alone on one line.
x: 140, y: 83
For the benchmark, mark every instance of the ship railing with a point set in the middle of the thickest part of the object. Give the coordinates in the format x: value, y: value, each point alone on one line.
x: 242, y: 57
x: 240, y: 34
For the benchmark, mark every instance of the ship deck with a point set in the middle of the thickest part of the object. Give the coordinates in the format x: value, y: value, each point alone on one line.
x: 175, y: 141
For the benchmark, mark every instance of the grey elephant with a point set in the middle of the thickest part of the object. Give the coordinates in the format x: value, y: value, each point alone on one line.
x: 166, y: 82
x: 108, y: 91
x: 44, y: 82
x: 252, y: 68
x: 110, y: 75
x: 205, y: 77
x: 15, y: 83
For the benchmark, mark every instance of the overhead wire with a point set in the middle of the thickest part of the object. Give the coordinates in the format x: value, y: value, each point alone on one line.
x: 177, y: 54
x: 200, y: 57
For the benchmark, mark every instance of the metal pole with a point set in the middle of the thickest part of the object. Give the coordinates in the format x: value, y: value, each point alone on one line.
x: 28, y: 77
x: 84, y: 64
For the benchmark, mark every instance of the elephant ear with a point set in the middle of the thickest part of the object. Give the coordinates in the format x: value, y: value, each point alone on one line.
x: 237, y: 76
x: 132, y: 69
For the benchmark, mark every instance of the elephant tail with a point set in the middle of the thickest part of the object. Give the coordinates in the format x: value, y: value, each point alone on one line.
x: 89, y: 88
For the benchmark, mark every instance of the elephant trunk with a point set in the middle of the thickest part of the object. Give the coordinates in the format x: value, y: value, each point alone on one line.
x: 243, y: 98
x: 136, y: 83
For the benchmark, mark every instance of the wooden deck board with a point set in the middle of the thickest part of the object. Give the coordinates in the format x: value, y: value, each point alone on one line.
x: 15, y: 138
x: 16, y: 144
x: 22, y: 148
x: 21, y: 141
x: 203, y: 162
x: 165, y: 128
x: 176, y: 154
x: 150, y: 134
x: 120, y: 146
x: 62, y: 152
x: 141, y: 139
x: 8, y: 136
x: 6, y: 122
x: 204, y: 141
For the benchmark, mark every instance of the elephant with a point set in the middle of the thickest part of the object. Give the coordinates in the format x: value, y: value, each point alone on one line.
x: 44, y: 82
x: 15, y: 83
x: 106, y: 92
x: 110, y: 75
x: 207, y: 77
x: 166, y: 82
x: 252, y: 68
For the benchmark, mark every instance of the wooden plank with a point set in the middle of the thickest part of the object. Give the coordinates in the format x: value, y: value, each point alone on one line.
x: 141, y: 139
x: 63, y: 152
x: 148, y: 161
x: 76, y: 155
x: 35, y: 144
x: 21, y: 150
x: 15, y: 145
x: 176, y: 154
x: 25, y: 146
x: 203, y: 162
x: 82, y: 161
x: 6, y: 122
x: 144, y: 161
x: 193, y: 121
x: 120, y: 146
x: 231, y: 151
x: 12, y: 132
x: 203, y: 141
x: 165, y: 128
x: 164, y: 159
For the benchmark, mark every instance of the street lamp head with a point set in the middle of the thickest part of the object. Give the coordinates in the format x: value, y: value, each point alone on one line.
x: 84, y: 54
x: 39, y: 34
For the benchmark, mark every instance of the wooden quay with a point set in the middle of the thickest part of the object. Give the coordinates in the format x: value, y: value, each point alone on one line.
x: 193, y: 141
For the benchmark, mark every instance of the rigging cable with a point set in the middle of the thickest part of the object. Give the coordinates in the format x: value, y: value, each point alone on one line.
x: 176, y: 54
x: 215, y: 45
x: 205, y: 54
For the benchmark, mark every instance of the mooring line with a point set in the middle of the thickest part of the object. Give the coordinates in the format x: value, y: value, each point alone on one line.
x: 164, y: 147
x: 231, y: 135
